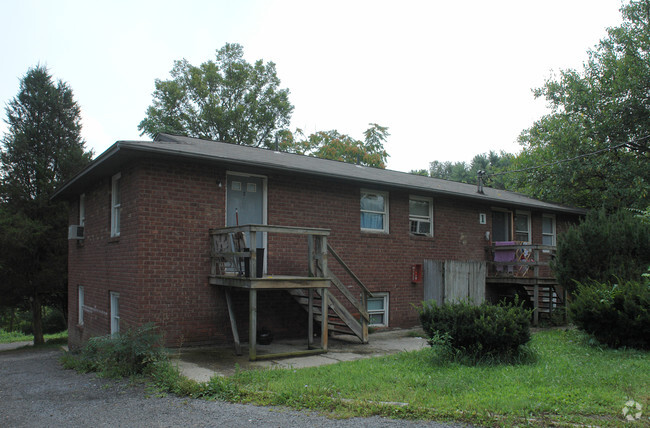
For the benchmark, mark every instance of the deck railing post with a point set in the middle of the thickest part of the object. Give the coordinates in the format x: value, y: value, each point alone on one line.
x: 252, y: 247
x: 310, y: 256
x: 323, y: 254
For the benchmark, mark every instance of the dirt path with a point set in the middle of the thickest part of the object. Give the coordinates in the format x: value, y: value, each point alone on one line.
x: 36, y: 391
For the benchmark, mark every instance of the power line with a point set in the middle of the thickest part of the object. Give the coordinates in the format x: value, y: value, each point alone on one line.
x: 561, y: 161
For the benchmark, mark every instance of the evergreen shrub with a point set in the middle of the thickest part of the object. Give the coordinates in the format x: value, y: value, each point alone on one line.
x: 477, y: 333
x: 604, y: 247
x: 616, y: 315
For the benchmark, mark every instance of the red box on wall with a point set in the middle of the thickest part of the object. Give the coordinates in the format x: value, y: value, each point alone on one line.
x: 416, y: 273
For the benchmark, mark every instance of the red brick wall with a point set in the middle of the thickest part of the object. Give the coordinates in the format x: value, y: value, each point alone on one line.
x: 161, y: 262
x: 382, y: 261
x: 102, y: 264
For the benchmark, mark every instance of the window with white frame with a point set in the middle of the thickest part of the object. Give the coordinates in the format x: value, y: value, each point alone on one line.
x: 378, y: 310
x: 82, y: 209
x: 548, y: 229
x: 374, y: 211
x: 421, y: 215
x: 115, y: 312
x: 116, y: 204
x: 522, y: 226
x: 81, y: 302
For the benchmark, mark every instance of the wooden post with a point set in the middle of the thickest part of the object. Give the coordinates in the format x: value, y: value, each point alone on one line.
x: 323, y: 254
x: 252, y: 327
x: 311, y: 268
x: 324, y: 325
x: 364, y: 323
x: 252, y: 246
x: 536, y: 306
x: 310, y: 320
x: 233, y: 323
x: 324, y: 296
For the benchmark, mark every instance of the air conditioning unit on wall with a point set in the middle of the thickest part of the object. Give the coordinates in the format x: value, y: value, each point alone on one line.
x: 75, y: 232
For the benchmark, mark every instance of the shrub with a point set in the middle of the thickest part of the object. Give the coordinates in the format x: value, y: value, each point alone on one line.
x: 53, y: 321
x: 124, y: 354
x: 615, y: 315
x: 604, y: 248
x: 477, y: 333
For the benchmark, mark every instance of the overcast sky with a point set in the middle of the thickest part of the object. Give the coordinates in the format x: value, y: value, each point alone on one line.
x: 450, y: 79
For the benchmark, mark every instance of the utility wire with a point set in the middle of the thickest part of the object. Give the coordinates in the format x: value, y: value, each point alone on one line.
x: 561, y: 161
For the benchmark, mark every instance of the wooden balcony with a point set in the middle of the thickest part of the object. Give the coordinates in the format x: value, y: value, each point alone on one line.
x: 234, y: 265
x: 526, y: 266
x: 231, y: 257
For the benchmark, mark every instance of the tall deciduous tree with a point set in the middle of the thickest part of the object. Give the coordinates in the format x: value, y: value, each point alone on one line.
x: 228, y: 100
x: 603, y: 106
x: 336, y: 146
x: 42, y: 148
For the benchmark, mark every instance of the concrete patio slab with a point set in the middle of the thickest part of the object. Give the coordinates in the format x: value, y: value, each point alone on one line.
x: 202, y: 363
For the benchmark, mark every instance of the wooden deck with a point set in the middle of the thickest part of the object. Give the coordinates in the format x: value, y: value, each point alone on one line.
x: 276, y: 282
x: 520, y: 264
x: 228, y: 247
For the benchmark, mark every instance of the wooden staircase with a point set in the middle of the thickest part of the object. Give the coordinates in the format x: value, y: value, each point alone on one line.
x: 548, y: 300
x: 339, y: 318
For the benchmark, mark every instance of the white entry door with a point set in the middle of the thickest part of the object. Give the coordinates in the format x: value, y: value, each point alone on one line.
x: 245, y: 203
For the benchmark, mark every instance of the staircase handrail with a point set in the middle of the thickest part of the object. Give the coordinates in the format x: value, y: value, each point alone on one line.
x: 349, y: 271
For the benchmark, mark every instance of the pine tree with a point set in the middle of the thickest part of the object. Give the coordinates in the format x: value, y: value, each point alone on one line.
x: 42, y: 148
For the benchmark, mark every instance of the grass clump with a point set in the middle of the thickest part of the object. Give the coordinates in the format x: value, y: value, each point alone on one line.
x: 475, y: 334
x: 124, y: 354
x: 60, y: 338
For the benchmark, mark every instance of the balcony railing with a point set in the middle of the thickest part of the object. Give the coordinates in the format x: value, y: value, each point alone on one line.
x: 512, y: 259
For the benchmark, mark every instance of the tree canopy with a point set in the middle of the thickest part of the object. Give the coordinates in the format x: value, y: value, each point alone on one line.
x: 601, y: 119
x: 336, y: 146
x: 228, y: 100
x: 42, y: 148
x: 464, y: 172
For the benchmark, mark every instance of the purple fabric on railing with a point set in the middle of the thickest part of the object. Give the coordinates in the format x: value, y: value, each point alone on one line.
x: 504, y: 255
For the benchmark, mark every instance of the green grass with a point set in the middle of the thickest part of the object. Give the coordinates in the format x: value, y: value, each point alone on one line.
x: 14, y: 336
x: 571, y: 382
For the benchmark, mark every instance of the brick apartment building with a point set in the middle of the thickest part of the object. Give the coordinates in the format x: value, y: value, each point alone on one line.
x: 146, y: 208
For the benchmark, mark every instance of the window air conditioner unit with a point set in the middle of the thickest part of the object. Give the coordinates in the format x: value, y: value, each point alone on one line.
x: 75, y: 232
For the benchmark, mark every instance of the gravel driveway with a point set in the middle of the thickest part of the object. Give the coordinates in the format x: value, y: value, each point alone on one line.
x: 36, y: 391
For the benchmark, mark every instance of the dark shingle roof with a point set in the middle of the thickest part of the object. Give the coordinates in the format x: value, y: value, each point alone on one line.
x: 268, y: 160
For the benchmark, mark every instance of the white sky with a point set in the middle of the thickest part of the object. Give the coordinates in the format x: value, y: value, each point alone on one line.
x: 451, y: 79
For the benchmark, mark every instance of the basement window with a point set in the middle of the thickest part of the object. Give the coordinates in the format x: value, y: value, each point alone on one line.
x: 80, y: 319
x: 115, y: 313
x: 378, y: 310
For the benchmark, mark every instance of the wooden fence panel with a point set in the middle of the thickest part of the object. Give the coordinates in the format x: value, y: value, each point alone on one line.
x: 433, y: 279
x: 454, y: 281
